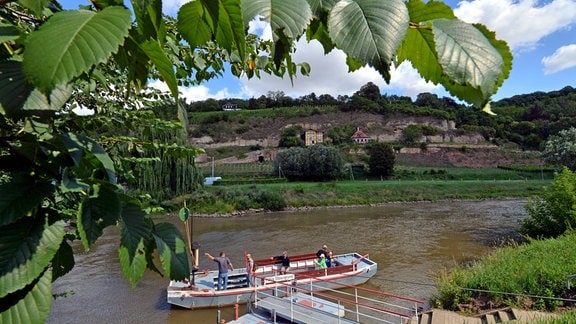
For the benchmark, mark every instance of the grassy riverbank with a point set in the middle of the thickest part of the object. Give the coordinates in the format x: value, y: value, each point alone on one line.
x: 374, y: 192
x: 530, y: 276
x: 276, y: 196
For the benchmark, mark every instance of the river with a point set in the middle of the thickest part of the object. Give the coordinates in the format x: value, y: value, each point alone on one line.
x: 411, y: 242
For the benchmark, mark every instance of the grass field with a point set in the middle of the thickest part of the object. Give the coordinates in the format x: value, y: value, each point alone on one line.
x: 345, y: 193
x: 254, y: 173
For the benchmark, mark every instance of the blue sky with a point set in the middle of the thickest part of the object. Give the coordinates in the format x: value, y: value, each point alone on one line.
x: 541, y: 34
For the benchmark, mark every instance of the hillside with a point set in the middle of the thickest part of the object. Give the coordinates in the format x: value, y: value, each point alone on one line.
x: 246, y: 131
x: 449, y: 147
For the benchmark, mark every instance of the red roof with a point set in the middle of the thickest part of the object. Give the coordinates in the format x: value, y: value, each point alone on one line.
x: 359, y: 134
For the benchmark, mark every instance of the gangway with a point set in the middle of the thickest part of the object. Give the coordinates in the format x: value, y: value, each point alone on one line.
x: 345, y: 304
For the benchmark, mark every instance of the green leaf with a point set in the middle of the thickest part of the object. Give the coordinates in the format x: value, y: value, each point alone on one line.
x: 8, y: 33
x: 504, y: 50
x: 20, y: 197
x: 27, y: 249
x: 36, y: 6
x: 136, y: 230
x: 319, y: 32
x: 204, y: 20
x: 291, y: 17
x: 172, y: 250
x: 63, y: 261
x: 370, y: 30
x: 452, y: 53
x: 421, y: 12
x: 132, y: 58
x: 320, y: 6
x: 31, y: 305
x: 70, y: 183
x: 101, y: 4
x: 148, y: 14
x: 14, y: 89
x: 157, y: 55
x: 230, y: 32
x: 84, y: 150
x: 318, y: 28
x: 71, y: 43
x: 37, y: 101
x: 96, y: 212
x: 184, y: 214
x: 467, y: 58
x: 194, y: 24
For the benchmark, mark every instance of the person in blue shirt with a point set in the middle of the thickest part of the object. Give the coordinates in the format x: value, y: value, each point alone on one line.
x: 223, y: 265
x: 330, y: 261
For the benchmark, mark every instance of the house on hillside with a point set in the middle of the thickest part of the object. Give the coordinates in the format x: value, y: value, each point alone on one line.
x: 360, y: 137
x: 229, y: 106
x: 313, y: 137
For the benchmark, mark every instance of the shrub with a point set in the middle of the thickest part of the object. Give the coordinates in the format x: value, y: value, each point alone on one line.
x: 560, y: 150
x: 554, y: 211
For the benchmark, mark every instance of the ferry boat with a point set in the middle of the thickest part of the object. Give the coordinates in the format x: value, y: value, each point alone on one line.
x: 201, y: 290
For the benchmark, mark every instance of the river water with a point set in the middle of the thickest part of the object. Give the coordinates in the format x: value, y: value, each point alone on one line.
x: 411, y: 242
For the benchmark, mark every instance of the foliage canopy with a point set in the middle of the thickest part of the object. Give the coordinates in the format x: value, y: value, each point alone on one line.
x: 53, y: 171
x: 313, y: 163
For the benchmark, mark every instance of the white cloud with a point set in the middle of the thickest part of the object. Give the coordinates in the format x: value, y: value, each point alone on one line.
x: 521, y: 23
x: 329, y: 75
x: 196, y: 93
x: 170, y: 7
x: 562, y: 59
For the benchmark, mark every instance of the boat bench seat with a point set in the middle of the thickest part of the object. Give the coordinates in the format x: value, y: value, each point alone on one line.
x: 279, y: 278
x: 234, y: 281
x: 303, y: 264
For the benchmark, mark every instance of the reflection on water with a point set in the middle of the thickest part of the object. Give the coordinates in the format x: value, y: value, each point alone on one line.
x: 411, y: 242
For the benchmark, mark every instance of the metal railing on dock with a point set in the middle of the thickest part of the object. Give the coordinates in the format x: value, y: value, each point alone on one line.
x: 344, y: 304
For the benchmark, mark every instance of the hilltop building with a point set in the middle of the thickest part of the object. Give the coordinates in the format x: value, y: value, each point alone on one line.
x: 230, y: 106
x: 313, y: 137
x: 360, y: 137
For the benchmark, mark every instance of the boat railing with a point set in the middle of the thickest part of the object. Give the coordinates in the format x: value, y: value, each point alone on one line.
x: 273, y: 261
x: 359, y: 303
x: 355, y: 262
x: 305, y: 263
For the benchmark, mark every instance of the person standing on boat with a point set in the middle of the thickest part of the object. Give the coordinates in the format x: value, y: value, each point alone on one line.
x: 223, y: 265
x: 323, y: 250
x: 250, y: 269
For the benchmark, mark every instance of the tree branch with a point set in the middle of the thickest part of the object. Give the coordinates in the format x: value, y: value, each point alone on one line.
x: 5, y: 2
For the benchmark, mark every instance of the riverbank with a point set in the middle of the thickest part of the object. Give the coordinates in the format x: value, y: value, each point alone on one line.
x: 237, y: 200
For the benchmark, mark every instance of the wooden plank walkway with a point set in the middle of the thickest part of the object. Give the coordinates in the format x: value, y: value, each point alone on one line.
x: 508, y: 315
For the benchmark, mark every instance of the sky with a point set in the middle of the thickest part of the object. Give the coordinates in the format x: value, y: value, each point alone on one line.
x: 541, y: 35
